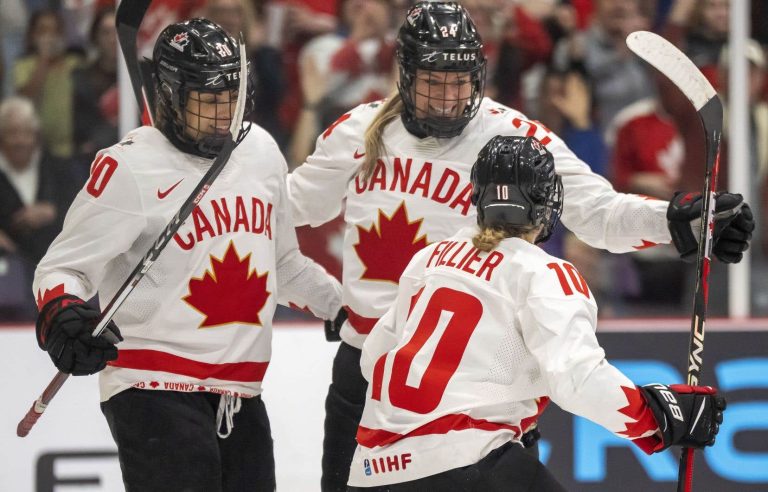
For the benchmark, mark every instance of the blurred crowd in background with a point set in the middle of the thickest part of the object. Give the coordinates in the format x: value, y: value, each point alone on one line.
x: 561, y: 62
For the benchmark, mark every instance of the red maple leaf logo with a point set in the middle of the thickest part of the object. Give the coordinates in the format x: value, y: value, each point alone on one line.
x: 230, y: 293
x: 637, y: 409
x: 296, y: 307
x: 646, y: 244
x: 386, y: 249
x: 49, y: 295
x: 342, y: 119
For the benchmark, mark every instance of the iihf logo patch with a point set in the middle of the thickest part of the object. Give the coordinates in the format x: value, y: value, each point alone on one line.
x: 180, y: 40
x: 367, y: 467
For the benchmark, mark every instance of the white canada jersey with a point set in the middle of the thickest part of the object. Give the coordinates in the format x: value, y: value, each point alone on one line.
x: 420, y: 193
x: 201, y: 318
x: 473, y: 349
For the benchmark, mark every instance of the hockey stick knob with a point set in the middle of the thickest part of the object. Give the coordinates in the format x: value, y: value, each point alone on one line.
x: 30, y: 419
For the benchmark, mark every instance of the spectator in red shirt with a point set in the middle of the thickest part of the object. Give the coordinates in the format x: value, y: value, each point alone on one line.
x: 647, y: 158
x: 648, y: 151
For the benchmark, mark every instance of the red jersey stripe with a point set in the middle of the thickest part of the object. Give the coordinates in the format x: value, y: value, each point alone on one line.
x: 454, y: 422
x: 541, y: 405
x: 360, y: 324
x: 153, y: 360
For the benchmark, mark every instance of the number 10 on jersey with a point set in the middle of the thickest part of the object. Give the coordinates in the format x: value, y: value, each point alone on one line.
x: 465, y: 311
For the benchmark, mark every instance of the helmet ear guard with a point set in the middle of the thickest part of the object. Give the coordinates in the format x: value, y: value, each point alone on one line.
x: 514, y: 184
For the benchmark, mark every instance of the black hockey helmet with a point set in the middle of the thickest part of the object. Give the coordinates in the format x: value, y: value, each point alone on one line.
x: 197, y: 55
x: 439, y: 37
x: 514, y: 183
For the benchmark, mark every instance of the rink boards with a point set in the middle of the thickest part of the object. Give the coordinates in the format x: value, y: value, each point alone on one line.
x: 71, y: 449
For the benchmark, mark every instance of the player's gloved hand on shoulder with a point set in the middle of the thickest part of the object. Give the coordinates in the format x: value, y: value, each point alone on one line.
x: 333, y: 327
x: 734, y: 224
x: 688, y: 416
x: 64, y: 328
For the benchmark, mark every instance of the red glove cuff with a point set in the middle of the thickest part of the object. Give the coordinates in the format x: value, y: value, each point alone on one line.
x: 688, y: 389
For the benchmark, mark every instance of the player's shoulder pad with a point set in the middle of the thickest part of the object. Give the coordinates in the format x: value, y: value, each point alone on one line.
x: 495, y: 118
x: 351, y: 126
x: 112, y: 180
x: 259, y: 148
x: 556, y: 278
x: 142, y: 146
x: 493, y: 114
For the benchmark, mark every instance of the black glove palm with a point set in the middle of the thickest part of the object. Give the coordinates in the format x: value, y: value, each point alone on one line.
x: 64, y: 329
x: 734, y: 224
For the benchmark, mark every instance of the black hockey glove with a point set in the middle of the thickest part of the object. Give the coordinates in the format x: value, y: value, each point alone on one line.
x: 64, y: 328
x: 688, y: 416
x: 333, y: 328
x: 734, y: 224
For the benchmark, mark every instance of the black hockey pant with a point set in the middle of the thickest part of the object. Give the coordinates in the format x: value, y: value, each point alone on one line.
x: 509, y: 468
x: 167, y: 441
x: 343, y: 410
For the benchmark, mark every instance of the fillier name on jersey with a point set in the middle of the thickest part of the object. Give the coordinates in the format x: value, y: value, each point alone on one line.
x: 420, y: 193
x: 471, y: 353
x: 200, y: 320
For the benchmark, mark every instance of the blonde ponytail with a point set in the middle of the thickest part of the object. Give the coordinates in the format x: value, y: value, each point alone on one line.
x: 374, y: 143
x: 488, y: 238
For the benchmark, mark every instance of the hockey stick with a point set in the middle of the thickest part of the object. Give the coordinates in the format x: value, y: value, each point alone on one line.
x: 128, y: 20
x: 39, y: 406
x: 670, y: 61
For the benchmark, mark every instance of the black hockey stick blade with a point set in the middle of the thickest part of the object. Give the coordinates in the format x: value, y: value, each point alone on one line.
x: 128, y: 19
x: 670, y: 61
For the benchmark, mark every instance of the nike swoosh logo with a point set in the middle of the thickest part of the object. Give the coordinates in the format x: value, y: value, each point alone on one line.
x: 358, y: 155
x: 163, y: 194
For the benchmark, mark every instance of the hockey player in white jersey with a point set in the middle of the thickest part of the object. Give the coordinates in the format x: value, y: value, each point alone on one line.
x: 403, y: 167
x: 196, y: 331
x: 485, y: 329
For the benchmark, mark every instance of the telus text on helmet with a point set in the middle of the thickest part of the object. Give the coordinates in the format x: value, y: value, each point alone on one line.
x: 229, y: 76
x: 447, y: 56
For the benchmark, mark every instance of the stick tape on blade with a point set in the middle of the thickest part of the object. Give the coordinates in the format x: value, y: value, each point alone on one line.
x: 670, y: 61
